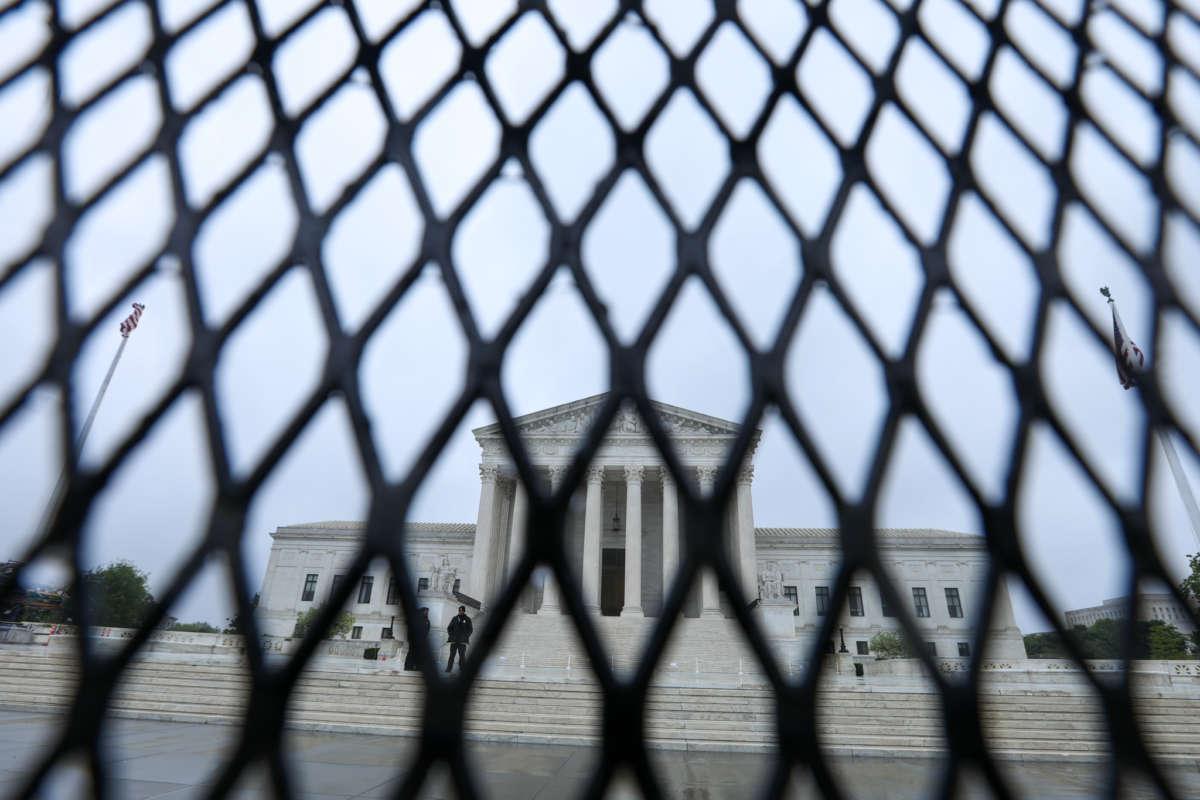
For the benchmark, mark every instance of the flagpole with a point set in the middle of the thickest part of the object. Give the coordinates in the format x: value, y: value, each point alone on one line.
x: 60, y: 488
x: 91, y: 417
x: 1129, y: 365
x: 1181, y: 482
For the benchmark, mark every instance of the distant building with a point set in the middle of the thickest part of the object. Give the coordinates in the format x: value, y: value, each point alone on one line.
x: 35, y: 604
x: 1160, y: 606
x: 623, y: 539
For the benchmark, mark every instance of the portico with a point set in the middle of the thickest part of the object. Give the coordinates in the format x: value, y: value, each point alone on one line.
x: 623, y: 526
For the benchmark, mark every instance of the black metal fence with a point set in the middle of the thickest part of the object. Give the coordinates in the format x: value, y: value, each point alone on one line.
x: 1143, y: 52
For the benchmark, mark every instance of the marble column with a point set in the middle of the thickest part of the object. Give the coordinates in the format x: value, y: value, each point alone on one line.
x: 518, y: 537
x: 710, y: 597
x: 633, y: 541
x: 670, y: 532
x: 520, y: 521
x: 592, y: 523
x: 746, y: 550
x: 550, y: 604
x: 485, y: 525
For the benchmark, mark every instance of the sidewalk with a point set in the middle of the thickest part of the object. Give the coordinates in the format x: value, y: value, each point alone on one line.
x: 151, y: 759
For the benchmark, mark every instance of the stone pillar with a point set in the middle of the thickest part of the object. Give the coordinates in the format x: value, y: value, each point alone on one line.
x: 518, y: 538
x: 633, y: 541
x: 746, y: 549
x: 670, y: 532
x: 593, y: 522
x: 710, y: 597
x: 485, y: 523
x: 550, y: 604
x: 520, y: 521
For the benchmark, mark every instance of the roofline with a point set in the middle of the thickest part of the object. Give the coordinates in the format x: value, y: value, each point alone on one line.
x: 349, y: 528
x: 770, y: 530
x: 596, y: 399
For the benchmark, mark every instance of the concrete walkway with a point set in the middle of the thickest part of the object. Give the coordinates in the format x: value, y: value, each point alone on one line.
x: 151, y: 759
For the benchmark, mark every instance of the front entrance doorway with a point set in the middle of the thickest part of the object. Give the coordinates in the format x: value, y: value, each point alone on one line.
x: 612, y: 581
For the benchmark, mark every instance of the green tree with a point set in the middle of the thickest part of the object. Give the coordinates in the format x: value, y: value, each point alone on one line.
x: 1189, y: 587
x: 1102, y: 639
x: 118, y: 595
x: 886, y: 644
x: 1158, y: 639
x: 1045, y: 645
x: 341, y: 625
x: 194, y: 627
x: 234, y: 624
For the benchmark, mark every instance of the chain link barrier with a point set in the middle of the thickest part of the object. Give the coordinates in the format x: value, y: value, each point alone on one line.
x: 1159, y: 81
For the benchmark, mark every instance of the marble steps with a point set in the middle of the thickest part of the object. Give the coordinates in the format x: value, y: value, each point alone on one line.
x: 221, y: 684
x: 1017, y: 723
x: 582, y: 700
x: 832, y: 731
x: 306, y: 709
x: 49, y: 668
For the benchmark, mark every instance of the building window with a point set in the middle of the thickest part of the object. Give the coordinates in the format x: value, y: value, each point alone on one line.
x: 791, y: 594
x: 863, y: 648
x: 337, y: 583
x: 393, y: 595
x: 356, y: 632
x: 457, y: 583
x: 932, y: 648
x: 364, y: 589
x: 885, y: 606
x: 386, y: 633
x: 822, y: 600
x: 856, y: 605
x: 423, y: 584
x: 310, y: 588
x: 920, y: 601
x: 964, y: 649
x: 953, y: 603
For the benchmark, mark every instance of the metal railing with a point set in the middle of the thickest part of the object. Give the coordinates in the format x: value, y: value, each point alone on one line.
x: 1061, y: 147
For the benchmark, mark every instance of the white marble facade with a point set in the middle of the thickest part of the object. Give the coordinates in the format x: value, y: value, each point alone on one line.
x: 622, y: 538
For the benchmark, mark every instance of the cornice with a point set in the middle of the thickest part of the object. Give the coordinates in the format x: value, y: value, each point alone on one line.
x: 576, y: 418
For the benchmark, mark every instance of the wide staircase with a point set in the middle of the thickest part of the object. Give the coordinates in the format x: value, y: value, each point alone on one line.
x: 710, y: 647
x: 853, y: 718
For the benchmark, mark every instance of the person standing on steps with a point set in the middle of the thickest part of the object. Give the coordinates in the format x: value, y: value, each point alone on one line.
x: 410, y: 660
x: 460, y: 634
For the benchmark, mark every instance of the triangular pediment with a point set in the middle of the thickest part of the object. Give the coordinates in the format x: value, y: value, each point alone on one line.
x: 575, y: 419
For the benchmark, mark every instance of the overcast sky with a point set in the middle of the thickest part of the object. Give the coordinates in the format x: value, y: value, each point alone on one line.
x: 158, y: 503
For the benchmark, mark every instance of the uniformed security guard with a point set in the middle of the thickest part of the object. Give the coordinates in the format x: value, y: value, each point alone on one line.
x: 460, y: 634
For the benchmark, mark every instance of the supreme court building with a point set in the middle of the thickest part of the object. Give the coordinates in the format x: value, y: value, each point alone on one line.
x: 623, y: 539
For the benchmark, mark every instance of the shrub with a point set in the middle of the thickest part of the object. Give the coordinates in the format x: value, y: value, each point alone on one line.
x: 306, y: 619
x: 890, y: 645
x: 194, y: 627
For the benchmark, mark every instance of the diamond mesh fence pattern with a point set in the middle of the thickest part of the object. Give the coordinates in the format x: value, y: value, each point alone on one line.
x: 1020, y: 112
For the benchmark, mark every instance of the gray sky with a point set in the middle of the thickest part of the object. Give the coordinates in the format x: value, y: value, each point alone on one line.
x: 158, y: 503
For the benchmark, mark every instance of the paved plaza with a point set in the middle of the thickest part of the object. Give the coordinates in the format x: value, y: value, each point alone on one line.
x: 151, y: 759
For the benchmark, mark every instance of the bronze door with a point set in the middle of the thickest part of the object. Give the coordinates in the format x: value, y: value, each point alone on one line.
x: 612, y: 582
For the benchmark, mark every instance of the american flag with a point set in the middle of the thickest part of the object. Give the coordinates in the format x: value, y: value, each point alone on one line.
x: 1130, y: 359
x: 130, y: 322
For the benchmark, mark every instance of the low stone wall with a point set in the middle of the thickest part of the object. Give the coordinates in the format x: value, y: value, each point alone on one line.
x: 556, y: 666
x: 187, y: 642
x: 1046, y: 671
x: 15, y: 634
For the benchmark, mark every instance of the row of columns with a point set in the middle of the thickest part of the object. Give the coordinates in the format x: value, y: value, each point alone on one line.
x: 488, y: 549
